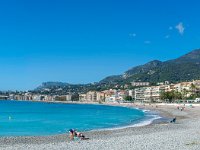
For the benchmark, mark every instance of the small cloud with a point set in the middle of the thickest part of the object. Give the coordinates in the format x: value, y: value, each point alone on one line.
x: 170, y: 28
x: 167, y: 36
x: 180, y: 28
x: 132, y: 34
x: 147, y: 42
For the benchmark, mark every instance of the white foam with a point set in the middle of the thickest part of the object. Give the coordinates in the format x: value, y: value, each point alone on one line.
x: 146, y: 122
x: 140, y: 124
x: 136, y: 108
x: 144, y: 110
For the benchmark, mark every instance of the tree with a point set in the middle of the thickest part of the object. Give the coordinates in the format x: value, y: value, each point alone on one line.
x: 171, y: 95
x: 177, y: 95
x: 128, y: 98
x: 166, y: 96
x: 75, y: 97
x: 184, y: 94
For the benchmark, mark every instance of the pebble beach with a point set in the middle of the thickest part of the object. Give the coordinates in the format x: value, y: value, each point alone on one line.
x: 182, y: 135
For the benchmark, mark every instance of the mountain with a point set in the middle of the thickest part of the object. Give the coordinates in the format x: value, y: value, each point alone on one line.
x: 53, y: 84
x: 60, y: 88
x: 184, y: 68
x: 192, y: 57
x: 111, y: 79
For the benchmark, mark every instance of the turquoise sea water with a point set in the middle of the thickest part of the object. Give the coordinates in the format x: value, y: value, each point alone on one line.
x: 20, y: 118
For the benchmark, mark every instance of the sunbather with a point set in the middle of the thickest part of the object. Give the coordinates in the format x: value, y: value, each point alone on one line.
x: 71, y: 134
x: 80, y: 135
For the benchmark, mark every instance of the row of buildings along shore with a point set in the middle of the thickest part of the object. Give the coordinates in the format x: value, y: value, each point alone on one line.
x: 142, y: 91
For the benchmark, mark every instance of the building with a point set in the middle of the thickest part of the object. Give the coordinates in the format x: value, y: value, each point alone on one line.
x: 156, y: 93
x: 196, y: 84
x: 60, y: 98
x: 2, y: 97
x: 131, y: 93
x: 150, y: 94
x: 49, y: 98
x: 137, y: 84
x: 82, y: 97
x: 163, y: 83
x: 183, y: 86
x: 37, y: 97
x: 111, y: 98
x: 147, y: 94
x: 100, y: 97
x: 91, y: 96
x: 68, y: 97
x: 18, y: 97
x: 139, y: 94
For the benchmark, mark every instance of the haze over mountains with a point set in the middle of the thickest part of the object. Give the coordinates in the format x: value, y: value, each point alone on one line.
x: 184, y: 68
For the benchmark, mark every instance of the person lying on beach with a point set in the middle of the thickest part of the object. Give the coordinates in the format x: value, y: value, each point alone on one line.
x: 73, y: 134
x: 80, y: 135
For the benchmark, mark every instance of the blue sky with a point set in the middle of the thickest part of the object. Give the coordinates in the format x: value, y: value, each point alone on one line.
x: 79, y: 41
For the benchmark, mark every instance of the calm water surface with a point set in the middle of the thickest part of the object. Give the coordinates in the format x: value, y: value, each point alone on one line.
x: 36, y: 118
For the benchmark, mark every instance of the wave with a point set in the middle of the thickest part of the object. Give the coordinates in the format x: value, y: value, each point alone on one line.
x: 139, y: 124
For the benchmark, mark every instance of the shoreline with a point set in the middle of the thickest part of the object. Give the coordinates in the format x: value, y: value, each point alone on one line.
x: 159, y: 113
x: 143, y: 122
x: 139, y: 106
x: 160, y: 116
x: 188, y: 123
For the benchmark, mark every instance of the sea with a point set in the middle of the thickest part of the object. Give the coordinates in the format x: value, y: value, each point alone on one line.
x: 26, y: 118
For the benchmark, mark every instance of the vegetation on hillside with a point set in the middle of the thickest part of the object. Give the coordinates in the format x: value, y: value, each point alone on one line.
x: 185, y: 68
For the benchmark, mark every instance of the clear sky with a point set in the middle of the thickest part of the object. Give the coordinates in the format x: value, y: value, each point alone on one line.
x: 82, y: 41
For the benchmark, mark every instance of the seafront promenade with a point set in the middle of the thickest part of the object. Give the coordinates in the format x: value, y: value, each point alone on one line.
x: 184, y: 134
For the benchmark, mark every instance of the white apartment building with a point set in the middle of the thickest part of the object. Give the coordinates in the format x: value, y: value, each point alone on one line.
x: 100, y: 96
x: 140, y: 84
x: 139, y: 94
x: 156, y: 92
x: 68, y: 97
x: 149, y: 94
x: 180, y: 87
x: 131, y: 93
x: 111, y: 98
x: 93, y: 96
x: 83, y: 97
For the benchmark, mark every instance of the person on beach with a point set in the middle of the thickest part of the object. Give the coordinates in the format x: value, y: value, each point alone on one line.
x: 80, y: 135
x: 173, y: 120
x: 71, y: 134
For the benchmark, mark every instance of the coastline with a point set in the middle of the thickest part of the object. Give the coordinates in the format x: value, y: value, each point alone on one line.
x: 105, y: 139
x: 146, y: 121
